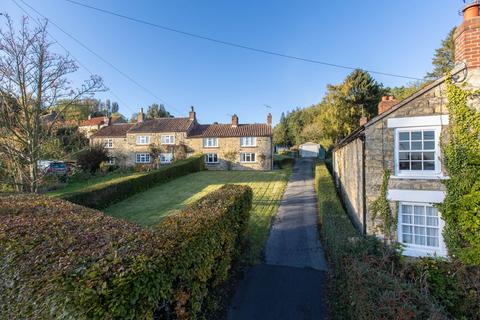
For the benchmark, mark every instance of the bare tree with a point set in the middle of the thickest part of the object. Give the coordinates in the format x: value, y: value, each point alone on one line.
x: 32, y: 80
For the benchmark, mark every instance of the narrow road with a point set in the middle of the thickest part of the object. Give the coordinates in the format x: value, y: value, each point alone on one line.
x: 291, y: 282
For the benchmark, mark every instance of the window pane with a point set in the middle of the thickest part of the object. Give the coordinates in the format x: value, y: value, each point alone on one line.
x: 407, y: 238
x: 407, y: 229
x: 432, y: 221
x: 428, y: 135
x: 404, y: 156
x: 419, y: 210
x: 416, y: 155
x: 416, y: 145
x: 432, y: 211
x: 432, y: 232
x: 420, y: 220
x: 406, y: 218
x: 404, y: 165
x: 404, y: 145
x: 406, y: 209
x: 416, y: 166
x: 420, y: 240
x: 428, y: 165
x: 429, y: 156
x: 420, y: 230
x: 429, y: 145
x: 432, y: 242
x: 404, y: 136
x: 416, y: 135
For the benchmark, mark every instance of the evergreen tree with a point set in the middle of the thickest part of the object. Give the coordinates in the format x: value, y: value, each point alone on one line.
x: 157, y: 111
x: 444, y: 57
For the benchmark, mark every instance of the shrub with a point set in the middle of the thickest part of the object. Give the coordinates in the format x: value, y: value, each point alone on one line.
x: 91, y: 158
x: 283, y: 161
x: 103, y: 196
x: 61, y: 260
x: 366, y: 281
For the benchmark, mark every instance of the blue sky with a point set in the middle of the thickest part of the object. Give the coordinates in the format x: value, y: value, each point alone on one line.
x: 389, y: 36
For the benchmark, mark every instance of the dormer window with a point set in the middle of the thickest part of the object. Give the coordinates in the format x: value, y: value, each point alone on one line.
x: 210, y: 142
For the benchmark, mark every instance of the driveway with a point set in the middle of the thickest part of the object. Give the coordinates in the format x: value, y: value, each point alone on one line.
x: 291, y: 282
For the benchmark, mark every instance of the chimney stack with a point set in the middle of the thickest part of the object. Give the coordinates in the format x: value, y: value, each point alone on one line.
x: 140, y: 116
x: 234, y: 121
x: 467, y: 36
x: 269, y: 119
x: 191, y: 115
x: 387, y: 103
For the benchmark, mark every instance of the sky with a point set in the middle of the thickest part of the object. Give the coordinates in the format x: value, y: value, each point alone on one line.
x: 397, y: 37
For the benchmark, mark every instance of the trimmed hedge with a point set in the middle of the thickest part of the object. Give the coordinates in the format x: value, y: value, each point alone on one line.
x: 61, y: 260
x: 365, y: 282
x: 284, y: 161
x: 105, y: 196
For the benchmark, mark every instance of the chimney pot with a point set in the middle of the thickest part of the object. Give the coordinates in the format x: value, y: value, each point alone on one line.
x: 234, y: 121
x: 466, y: 36
x: 363, y: 120
x: 471, y: 11
x: 386, y: 103
x: 192, y: 115
x: 269, y: 119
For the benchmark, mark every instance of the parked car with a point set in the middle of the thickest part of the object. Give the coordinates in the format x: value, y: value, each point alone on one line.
x: 53, y: 167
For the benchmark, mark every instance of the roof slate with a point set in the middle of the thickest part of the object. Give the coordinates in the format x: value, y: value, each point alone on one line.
x: 227, y: 130
x: 163, y: 125
x: 114, y: 130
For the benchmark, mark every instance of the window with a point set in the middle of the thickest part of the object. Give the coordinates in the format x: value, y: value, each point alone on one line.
x: 248, y: 141
x: 108, y: 143
x: 167, y: 139
x: 142, y: 158
x: 247, y: 157
x: 143, y: 139
x: 211, y: 158
x: 420, y: 228
x: 210, y: 142
x: 111, y: 161
x: 417, y: 151
x: 166, y: 157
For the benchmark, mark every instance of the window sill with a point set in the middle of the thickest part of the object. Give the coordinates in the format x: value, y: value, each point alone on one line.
x: 415, y: 251
x: 212, y: 163
x: 248, y: 146
x: 142, y: 144
x: 217, y: 147
x: 253, y: 162
x: 419, y: 177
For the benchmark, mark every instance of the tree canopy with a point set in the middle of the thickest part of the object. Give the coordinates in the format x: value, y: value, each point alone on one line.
x: 444, y: 58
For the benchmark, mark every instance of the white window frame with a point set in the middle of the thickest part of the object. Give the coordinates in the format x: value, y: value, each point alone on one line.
x: 167, y: 139
x: 211, y: 158
x: 143, y: 140
x: 166, y: 157
x: 437, y: 173
x: 249, y: 154
x: 108, y: 143
x: 248, y: 141
x: 142, y: 157
x: 414, y: 250
x: 210, y: 142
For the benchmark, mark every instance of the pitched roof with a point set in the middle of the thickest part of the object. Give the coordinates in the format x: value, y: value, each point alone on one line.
x: 163, y: 125
x: 114, y: 130
x: 226, y: 130
x: 93, y: 121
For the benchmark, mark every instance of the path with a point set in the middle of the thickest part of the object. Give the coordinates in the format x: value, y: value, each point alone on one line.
x: 291, y: 282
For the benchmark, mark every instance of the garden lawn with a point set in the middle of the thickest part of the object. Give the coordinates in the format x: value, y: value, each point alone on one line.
x: 93, y: 183
x: 149, y: 207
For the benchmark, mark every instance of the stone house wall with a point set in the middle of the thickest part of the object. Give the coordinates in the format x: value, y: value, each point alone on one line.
x: 348, y: 172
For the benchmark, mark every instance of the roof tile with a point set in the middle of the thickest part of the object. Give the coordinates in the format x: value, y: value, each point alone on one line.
x: 227, y: 130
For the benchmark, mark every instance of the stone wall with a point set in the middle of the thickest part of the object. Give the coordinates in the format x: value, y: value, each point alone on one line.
x: 348, y: 172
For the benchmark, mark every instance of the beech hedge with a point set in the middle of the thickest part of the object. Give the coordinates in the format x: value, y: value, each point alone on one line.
x: 62, y: 260
x: 102, y: 197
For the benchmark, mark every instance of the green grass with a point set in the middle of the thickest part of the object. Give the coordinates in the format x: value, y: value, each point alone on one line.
x: 94, y: 183
x: 149, y: 207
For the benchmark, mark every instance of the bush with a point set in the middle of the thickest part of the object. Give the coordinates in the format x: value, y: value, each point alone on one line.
x: 283, y: 161
x: 61, y: 260
x: 103, y: 196
x: 90, y: 159
x: 366, y: 280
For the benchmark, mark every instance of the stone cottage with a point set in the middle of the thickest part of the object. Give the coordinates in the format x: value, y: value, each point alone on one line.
x: 91, y: 125
x: 405, y: 140
x: 225, y: 146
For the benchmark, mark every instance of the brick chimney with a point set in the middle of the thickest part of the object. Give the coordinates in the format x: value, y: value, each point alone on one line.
x: 269, y: 119
x: 467, y: 36
x: 192, y: 115
x: 234, y: 121
x: 387, y: 103
x: 140, y: 116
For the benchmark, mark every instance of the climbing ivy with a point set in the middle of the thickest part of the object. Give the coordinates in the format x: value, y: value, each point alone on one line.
x: 380, y: 208
x: 461, y: 151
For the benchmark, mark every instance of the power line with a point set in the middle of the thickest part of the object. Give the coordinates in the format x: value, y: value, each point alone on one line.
x: 103, y: 59
x: 233, y: 44
x: 77, y: 60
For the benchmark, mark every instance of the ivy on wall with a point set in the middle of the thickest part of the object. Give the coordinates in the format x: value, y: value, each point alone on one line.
x: 380, y: 208
x: 461, y: 151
